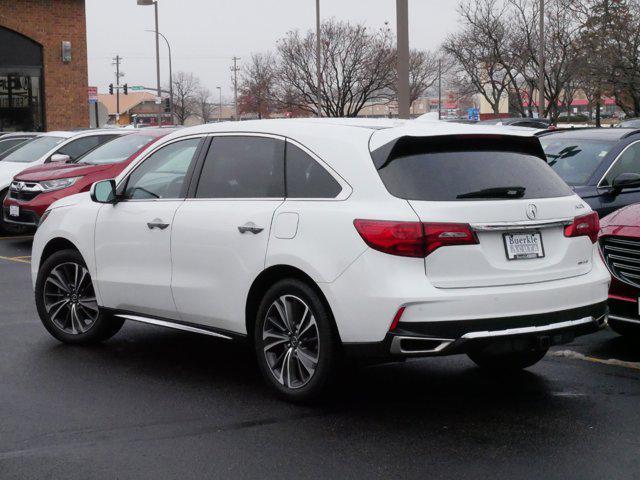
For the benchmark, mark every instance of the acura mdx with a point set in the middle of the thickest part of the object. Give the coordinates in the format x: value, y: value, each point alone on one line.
x: 317, y: 240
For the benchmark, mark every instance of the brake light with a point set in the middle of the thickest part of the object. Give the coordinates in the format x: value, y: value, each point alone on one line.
x: 405, y: 239
x: 413, y: 239
x: 585, y: 225
x: 447, y: 234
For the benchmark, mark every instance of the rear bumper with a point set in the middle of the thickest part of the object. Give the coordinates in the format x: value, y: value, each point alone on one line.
x: 510, y: 333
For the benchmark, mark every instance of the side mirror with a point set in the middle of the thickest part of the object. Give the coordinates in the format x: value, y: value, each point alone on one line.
x: 625, y: 181
x: 58, y: 157
x: 104, y: 192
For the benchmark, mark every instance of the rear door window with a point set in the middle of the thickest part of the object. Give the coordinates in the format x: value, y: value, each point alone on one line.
x: 306, y: 178
x: 243, y: 167
x: 467, y: 168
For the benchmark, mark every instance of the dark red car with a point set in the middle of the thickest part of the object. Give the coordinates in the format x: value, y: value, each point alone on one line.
x: 620, y: 248
x: 35, y: 189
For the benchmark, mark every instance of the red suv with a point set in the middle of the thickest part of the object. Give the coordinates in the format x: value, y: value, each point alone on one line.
x: 34, y: 189
x: 620, y: 248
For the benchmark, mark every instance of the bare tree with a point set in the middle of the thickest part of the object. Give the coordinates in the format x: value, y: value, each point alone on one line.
x: 205, y: 108
x: 185, y: 90
x: 477, y: 50
x: 357, y: 68
x: 257, y: 85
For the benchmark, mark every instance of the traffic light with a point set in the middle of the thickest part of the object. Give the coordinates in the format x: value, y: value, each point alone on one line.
x: 167, y: 105
x: 125, y: 89
x: 111, y: 89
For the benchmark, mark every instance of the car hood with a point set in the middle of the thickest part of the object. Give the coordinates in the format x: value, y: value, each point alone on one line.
x: 60, y: 170
x: 626, y: 216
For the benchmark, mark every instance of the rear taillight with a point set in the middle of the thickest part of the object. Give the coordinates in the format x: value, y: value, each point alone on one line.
x: 448, y: 234
x: 413, y: 239
x: 405, y: 239
x: 585, y: 225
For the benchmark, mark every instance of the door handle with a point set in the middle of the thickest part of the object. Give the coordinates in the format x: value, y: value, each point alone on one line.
x: 157, y: 223
x: 250, y: 227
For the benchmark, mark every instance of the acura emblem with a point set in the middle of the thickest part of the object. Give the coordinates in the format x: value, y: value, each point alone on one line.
x: 19, y: 186
x: 532, y: 211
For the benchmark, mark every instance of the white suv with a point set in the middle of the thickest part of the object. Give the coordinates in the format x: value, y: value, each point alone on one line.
x: 318, y: 239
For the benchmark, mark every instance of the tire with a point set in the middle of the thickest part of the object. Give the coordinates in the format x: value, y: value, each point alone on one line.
x: 66, y: 301
x: 312, y: 354
x: 625, y: 329
x: 508, y: 361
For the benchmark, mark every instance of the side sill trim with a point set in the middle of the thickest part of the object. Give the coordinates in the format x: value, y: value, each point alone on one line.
x: 624, y: 319
x: 176, y: 326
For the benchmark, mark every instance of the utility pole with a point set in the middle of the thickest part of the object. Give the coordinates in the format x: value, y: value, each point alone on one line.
x: 220, y: 105
x: 318, y: 59
x: 541, y: 60
x: 402, y: 12
x: 235, y: 69
x: 439, y: 89
x: 116, y: 62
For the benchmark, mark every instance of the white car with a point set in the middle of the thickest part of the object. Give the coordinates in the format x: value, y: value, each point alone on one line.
x: 314, y: 239
x: 45, y: 148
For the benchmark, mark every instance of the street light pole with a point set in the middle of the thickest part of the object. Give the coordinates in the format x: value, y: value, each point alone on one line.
x: 318, y: 59
x: 402, y: 12
x: 541, y: 60
x: 220, y: 107
x: 170, y: 74
x: 159, y: 97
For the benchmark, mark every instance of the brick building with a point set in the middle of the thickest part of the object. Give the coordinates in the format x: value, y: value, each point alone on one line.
x: 43, y: 65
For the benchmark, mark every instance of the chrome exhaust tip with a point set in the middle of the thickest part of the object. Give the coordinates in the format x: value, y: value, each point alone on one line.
x: 418, y: 345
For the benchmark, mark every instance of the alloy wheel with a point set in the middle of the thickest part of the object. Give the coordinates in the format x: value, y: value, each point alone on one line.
x: 69, y: 298
x: 291, y: 341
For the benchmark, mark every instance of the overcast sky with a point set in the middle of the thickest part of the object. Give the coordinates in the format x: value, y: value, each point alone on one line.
x: 205, y: 34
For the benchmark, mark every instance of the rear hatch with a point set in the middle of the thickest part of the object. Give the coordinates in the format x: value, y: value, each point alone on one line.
x: 501, y: 186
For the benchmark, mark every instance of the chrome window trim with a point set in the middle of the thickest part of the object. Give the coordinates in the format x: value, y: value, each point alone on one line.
x: 613, y: 164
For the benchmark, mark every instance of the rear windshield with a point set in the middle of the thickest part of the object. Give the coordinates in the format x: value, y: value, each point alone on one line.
x: 575, y: 160
x: 33, y: 150
x: 467, y: 168
x: 117, y: 150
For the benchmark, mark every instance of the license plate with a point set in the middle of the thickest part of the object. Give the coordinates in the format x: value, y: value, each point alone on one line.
x: 14, y: 211
x: 523, y: 246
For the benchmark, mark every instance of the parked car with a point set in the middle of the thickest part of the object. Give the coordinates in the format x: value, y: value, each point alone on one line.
x: 46, y: 148
x: 537, y: 123
x: 620, y: 247
x: 9, y: 141
x: 33, y: 190
x: 629, y: 123
x: 602, y: 165
x: 314, y: 238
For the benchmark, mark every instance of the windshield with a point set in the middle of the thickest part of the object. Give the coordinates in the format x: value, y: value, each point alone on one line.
x: 33, y: 150
x: 117, y: 150
x: 575, y: 160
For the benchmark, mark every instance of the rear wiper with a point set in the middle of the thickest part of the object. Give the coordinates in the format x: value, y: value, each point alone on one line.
x: 498, y: 192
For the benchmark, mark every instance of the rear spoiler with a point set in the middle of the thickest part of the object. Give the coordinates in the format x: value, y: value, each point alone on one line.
x: 407, y: 146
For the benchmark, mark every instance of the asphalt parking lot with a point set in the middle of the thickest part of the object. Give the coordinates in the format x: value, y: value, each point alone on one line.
x: 155, y: 403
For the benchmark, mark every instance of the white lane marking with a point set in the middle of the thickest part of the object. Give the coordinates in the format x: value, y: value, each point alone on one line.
x: 610, y: 361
